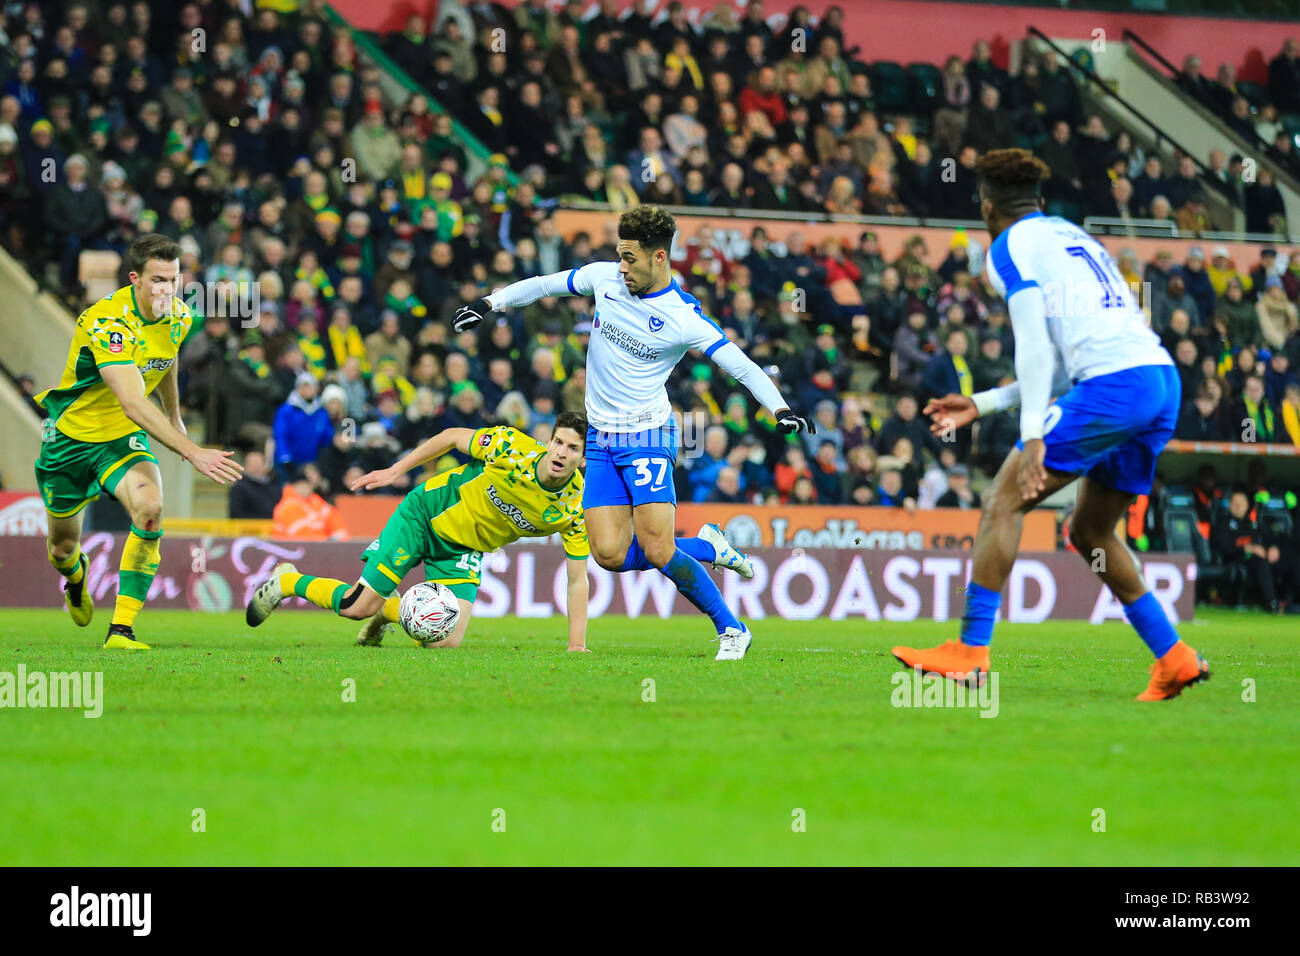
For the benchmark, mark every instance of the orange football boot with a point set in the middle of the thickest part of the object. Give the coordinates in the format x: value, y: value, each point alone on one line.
x: 964, y: 663
x: 1180, y: 667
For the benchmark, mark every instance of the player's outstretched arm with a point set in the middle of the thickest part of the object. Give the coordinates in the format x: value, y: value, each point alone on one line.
x: 524, y: 292
x: 578, y: 588
x: 430, y: 449
x: 728, y: 357
x: 127, y: 386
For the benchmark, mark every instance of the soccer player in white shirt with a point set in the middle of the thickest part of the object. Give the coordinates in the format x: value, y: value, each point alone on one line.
x: 1079, y: 334
x: 644, y: 323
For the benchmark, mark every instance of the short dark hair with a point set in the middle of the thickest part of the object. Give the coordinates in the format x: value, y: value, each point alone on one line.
x: 152, y: 246
x: 649, y: 225
x: 1011, y: 177
x: 573, y: 420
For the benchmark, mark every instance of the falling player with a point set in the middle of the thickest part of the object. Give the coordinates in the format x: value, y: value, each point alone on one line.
x: 515, y: 487
x: 99, y: 423
x: 644, y: 323
x: 1071, y: 313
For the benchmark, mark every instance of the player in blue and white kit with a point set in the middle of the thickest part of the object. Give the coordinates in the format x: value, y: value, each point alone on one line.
x: 1079, y: 334
x: 644, y: 323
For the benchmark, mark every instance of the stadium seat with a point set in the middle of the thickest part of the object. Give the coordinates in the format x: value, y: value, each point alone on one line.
x: 1182, y: 534
x: 924, y: 87
x: 889, y: 83
x: 97, y: 270
x: 1255, y: 94
x: 1083, y: 57
x: 1276, y: 521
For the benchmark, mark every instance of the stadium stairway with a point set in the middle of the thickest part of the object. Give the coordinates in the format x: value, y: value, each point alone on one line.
x: 1129, y: 73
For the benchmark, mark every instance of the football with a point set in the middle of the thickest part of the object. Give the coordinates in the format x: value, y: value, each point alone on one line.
x: 429, y: 612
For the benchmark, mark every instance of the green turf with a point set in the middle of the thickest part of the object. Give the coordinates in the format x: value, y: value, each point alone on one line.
x: 251, y: 727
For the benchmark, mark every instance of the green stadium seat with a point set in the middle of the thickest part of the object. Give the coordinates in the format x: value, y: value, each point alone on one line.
x: 924, y: 87
x: 1255, y: 94
x: 889, y: 83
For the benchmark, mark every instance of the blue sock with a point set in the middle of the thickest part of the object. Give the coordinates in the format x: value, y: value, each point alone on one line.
x: 1152, y: 624
x: 697, y: 548
x: 981, y: 608
x: 697, y: 587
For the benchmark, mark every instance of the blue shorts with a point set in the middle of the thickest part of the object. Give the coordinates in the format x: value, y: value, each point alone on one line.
x: 630, y: 468
x: 1113, y: 427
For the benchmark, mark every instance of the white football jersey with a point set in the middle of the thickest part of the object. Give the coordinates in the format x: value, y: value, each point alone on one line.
x: 636, y: 341
x: 1093, y: 318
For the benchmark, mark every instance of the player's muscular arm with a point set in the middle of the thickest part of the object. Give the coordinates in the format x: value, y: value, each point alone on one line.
x: 127, y: 386
x: 428, y: 450
x: 578, y: 588
x: 169, y: 394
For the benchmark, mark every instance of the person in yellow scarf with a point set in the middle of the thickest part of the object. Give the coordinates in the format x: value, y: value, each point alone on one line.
x: 310, y: 344
x: 345, y: 339
x: 1253, y: 414
x: 1291, y: 413
x: 388, y: 378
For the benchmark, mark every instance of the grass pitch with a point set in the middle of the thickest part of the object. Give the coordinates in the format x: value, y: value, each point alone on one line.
x: 441, y: 749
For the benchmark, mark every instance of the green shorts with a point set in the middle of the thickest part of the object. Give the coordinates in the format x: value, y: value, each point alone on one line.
x: 407, y: 539
x: 71, y: 473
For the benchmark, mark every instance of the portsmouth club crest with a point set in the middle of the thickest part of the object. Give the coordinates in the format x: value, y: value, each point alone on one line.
x: 656, y: 323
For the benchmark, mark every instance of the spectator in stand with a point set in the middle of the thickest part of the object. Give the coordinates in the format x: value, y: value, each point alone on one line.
x: 1291, y: 412
x: 912, y: 349
x: 1252, y: 411
x: 1278, y: 321
x: 1284, y: 77
x: 728, y: 489
x: 959, y: 493
x: 948, y: 373
x: 1175, y: 298
x: 1198, y: 282
x: 1193, y: 217
x: 826, y: 469
x: 257, y: 491
x: 302, y: 427
x: 890, y: 492
x: 792, y: 469
x: 303, y: 515
x: 904, y: 423
x: 1238, y: 540
x: 1202, y: 419
x: 1265, y: 208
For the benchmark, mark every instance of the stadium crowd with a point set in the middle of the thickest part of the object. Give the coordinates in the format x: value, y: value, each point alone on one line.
x: 271, y: 154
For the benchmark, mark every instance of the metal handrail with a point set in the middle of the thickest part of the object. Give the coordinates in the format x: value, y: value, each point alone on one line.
x: 1134, y: 38
x: 1255, y: 139
x: 1160, y: 133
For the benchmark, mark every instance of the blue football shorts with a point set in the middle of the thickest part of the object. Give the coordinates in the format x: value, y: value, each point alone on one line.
x: 630, y: 468
x: 1112, y: 428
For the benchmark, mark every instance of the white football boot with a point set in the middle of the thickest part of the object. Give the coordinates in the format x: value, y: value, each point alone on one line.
x: 726, y: 555
x: 373, y: 630
x: 733, y: 643
x: 267, y: 597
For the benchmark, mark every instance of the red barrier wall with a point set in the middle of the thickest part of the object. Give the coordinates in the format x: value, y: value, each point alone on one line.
x: 908, y: 30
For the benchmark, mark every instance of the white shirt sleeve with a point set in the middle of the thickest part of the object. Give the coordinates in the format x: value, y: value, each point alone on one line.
x: 742, y: 368
x: 1035, y: 359
x: 573, y: 282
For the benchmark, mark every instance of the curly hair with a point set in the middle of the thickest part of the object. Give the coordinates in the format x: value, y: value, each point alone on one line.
x: 1011, y: 177
x: 648, y: 225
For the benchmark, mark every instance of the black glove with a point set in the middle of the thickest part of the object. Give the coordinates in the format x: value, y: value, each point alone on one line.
x: 789, y: 423
x: 468, y: 316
